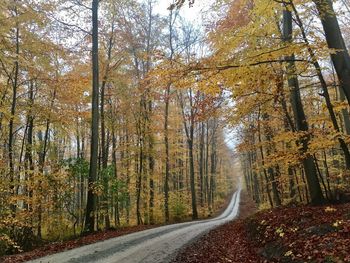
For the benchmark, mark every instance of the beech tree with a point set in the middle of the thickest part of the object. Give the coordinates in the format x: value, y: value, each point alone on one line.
x: 340, y: 58
x: 91, y: 200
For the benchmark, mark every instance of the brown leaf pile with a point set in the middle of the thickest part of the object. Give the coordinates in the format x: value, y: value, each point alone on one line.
x: 303, y: 234
x: 288, y: 234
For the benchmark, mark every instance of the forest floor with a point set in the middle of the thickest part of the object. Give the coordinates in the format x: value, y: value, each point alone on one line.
x: 287, y: 234
x: 48, y: 248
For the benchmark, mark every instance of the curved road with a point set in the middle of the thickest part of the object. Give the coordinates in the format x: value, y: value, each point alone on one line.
x: 149, y: 246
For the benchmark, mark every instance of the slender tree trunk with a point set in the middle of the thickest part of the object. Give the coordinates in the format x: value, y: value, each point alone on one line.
x: 114, y: 159
x: 139, y: 165
x: 344, y: 112
x: 207, y: 164
x: 300, y: 118
x: 189, y: 130
x: 271, y: 172
x: 166, y: 122
x: 104, y: 147
x: 139, y: 186
x: 28, y: 157
x: 42, y: 158
x: 128, y: 198
x: 264, y: 170
x: 192, y: 175
x: 149, y: 111
x: 201, y: 164
x: 167, y: 157
x: 213, y: 164
x: 327, y: 174
x: 151, y: 164
x: 91, y: 198
x: 13, y: 112
x: 321, y: 177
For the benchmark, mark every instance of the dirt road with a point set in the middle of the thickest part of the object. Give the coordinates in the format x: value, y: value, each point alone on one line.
x: 149, y: 246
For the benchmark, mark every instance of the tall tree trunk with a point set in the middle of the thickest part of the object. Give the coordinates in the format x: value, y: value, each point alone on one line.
x: 151, y: 163
x: 128, y: 197
x: 213, y: 164
x: 28, y: 156
x: 300, y: 118
x: 201, y: 163
x: 207, y: 163
x: 192, y: 175
x: 104, y: 147
x: 189, y: 130
x: 340, y: 58
x: 268, y: 180
x: 324, y: 87
x: 114, y: 159
x: 44, y: 142
x: 167, y: 157
x: 166, y: 120
x: 271, y: 171
x: 139, y: 162
x: 148, y: 110
x: 13, y: 112
x: 91, y: 198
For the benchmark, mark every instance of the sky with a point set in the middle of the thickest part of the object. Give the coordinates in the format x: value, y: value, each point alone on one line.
x: 192, y: 14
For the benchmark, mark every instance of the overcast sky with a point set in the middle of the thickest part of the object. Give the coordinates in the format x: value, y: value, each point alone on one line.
x: 192, y: 14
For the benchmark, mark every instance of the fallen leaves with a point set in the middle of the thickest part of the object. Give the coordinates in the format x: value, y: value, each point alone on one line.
x: 227, y: 243
x: 288, y: 234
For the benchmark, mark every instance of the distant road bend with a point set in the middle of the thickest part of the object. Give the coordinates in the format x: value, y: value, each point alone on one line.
x: 149, y: 246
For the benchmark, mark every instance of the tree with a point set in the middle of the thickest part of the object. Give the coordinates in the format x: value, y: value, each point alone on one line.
x: 171, y: 23
x: 299, y: 116
x: 335, y: 41
x: 91, y: 198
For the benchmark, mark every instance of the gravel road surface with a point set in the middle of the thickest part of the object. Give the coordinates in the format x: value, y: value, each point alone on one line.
x: 157, y: 245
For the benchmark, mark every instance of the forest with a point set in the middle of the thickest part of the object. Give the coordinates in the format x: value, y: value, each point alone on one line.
x: 114, y: 114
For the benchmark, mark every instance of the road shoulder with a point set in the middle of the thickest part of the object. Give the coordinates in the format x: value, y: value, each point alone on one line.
x: 292, y: 234
x: 227, y: 243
